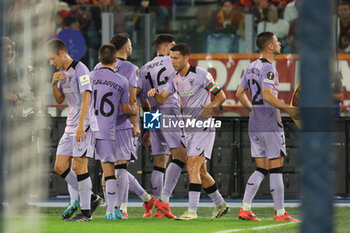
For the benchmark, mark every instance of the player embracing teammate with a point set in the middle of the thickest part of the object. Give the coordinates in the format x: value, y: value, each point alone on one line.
x: 195, y: 86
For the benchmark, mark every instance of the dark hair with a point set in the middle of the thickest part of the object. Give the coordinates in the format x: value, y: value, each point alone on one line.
x: 107, y: 54
x: 163, y: 38
x: 56, y: 45
x: 119, y: 40
x: 262, y: 40
x: 69, y: 20
x: 183, y: 48
x: 344, y: 3
x: 223, y: 1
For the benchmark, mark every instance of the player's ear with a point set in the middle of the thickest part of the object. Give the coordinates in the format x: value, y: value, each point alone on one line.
x: 270, y: 45
x: 99, y: 58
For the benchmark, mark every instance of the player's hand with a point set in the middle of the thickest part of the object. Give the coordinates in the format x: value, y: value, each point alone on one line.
x: 136, y: 131
x: 207, y: 111
x: 294, y: 112
x: 80, y: 134
x: 57, y: 76
x: 146, y: 140
x: 153, y: 92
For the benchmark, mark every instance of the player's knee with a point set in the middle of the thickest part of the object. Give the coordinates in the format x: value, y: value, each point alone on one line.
x: 192, y: 169
x: 59, y: 169
x: 182, y: 157
x: 161, y: 161
x: 203, y: 172
x: 276, y: 170
x: 62, y: 172
x: 262, y: 170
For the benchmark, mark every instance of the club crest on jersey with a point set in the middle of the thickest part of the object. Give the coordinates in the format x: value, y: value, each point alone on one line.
x: 151, y: 120
x: 270, y: 75
x: 191, y: 82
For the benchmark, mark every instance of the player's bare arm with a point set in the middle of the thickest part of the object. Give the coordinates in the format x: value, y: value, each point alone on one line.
x: 243, y: 98
x: 133, y: 103
x: 146, y: 140
x: 161, y: 98
x: 59, y: 97
x: 274, y: 101
x: 127, y: 109
x: 208, y: 109
x: 80, y: 134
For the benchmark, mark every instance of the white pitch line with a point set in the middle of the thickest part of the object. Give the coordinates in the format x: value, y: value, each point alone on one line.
x: 255, y: 228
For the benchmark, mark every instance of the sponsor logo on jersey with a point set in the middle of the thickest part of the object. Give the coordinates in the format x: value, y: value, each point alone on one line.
x: 84, y: 79
x: 67, y: 90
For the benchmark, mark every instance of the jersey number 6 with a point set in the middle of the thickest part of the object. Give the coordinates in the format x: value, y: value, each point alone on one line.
x: 104, y: 100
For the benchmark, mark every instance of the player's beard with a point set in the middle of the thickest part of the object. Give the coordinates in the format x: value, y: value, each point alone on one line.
x: 128, y: 56
x: 276, y: 52
x: 177, y: 68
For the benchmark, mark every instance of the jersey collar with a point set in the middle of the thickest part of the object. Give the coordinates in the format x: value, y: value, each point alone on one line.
x: 264, y: 60
x: 73, y: 64
x: 107, y: 68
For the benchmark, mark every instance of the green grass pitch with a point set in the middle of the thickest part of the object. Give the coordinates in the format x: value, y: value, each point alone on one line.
x: 52, y: 223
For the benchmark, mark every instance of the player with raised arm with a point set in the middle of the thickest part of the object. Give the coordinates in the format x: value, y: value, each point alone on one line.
x: 265, y: 127
x: 127, y: 128
x: 73, y: 83
x: 155, y: 74
x: 195, y: 86
x: 110, y: 90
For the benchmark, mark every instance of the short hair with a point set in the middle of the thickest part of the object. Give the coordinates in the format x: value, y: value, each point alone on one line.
x: 262, y: 39
x: 163, y: 38
x: 107, y: 54
x: 343, y: 3
x: 119, y: 40
x: 56, y: 45
x: 183, y: 48
x: 223, y: 1
x: 69, y: 20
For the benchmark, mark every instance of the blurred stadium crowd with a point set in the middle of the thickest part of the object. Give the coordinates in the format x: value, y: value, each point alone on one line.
x: 208, y: 26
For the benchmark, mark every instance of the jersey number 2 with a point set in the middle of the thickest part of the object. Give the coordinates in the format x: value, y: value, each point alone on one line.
x: 159, y: 82
x: 254, y: 101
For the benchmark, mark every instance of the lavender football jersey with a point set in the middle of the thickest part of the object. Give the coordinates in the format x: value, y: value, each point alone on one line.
x: 194, y: 89
x: 109, y: 91
x: 264, y: 117
x: 76, y: 82
x: 155, y: 74
x: 129, y: 71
